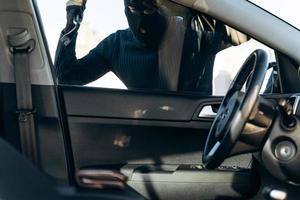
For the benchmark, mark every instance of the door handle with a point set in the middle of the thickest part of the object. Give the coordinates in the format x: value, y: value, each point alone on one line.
x: 99, y: 179
x: 208, y: 111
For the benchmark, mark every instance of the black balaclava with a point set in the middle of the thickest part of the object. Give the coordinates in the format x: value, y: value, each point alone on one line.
x: 147, y: 27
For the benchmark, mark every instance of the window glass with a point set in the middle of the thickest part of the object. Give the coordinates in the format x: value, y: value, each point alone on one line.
x: 101, y: 18
x: 209, y: 58
x: 229, y: 61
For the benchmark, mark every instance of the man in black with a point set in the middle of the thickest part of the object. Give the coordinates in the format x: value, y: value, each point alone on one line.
x: 132, y: 54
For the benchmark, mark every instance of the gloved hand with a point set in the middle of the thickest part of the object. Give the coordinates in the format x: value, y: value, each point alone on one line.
x: 75, y: 9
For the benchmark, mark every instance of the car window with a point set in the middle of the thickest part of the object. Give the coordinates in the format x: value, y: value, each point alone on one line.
x: 104, y: 25
x: 94, y: 28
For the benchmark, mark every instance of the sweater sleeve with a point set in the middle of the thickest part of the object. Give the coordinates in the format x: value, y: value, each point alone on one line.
x: 96, y: 63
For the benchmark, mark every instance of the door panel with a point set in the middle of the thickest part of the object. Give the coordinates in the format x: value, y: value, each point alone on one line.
x: 117, y: 143
x: 130, y: 131
x: 119, y: 127
x: 95, y: 102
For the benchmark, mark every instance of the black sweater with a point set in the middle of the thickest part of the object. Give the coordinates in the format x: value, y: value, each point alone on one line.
x: 136, y: 65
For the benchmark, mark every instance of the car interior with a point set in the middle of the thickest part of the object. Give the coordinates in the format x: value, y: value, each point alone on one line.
x: 99, y: 143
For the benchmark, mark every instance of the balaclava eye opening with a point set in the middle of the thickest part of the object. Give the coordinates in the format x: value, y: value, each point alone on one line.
x: 147, y: 28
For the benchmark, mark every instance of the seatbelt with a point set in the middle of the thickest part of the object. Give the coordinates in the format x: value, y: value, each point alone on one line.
x: 21, y: 45
x: 169, y: 54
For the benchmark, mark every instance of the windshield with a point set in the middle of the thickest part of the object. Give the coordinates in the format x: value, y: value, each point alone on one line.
x: 287, y: 10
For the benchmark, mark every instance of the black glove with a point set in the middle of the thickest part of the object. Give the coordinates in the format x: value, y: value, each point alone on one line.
x: 75, y: 9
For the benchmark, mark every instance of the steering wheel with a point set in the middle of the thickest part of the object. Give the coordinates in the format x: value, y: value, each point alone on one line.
x: 235, y: 110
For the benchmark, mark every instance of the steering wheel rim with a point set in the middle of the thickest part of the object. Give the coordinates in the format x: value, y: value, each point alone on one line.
x: 235, y: 110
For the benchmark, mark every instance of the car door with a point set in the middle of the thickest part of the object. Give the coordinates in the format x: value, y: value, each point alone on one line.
x: 154, y: 138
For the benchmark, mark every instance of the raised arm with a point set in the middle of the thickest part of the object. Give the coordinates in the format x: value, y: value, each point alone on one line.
x: 69, y: 69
